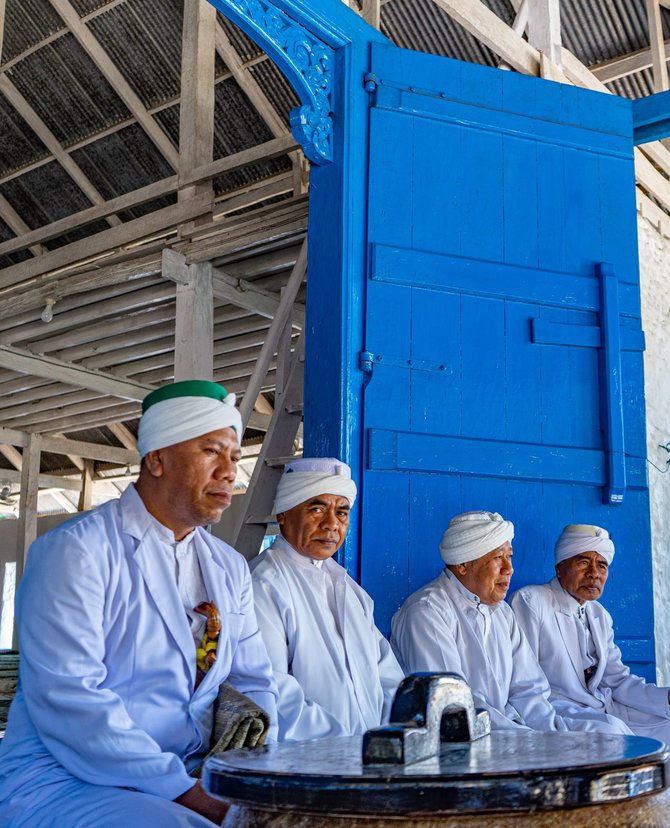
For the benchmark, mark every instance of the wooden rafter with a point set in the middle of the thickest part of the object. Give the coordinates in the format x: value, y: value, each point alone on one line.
x: 621, y: 67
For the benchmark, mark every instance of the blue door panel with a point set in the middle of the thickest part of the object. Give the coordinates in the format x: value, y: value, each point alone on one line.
x: 491, y: 203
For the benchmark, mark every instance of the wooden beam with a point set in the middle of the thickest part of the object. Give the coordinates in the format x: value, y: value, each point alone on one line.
x: 131, y: 231
x: 488, y: 28
x: 657, y: 44
x: 3, y: 9
x: 18, y: 359
x: 14, y: 221
x: 371, y: 12
x: 621, y: 67
x: 196, y: 113
x: 64, y: 502
x: 123, y: 435
x: 50, y: 141
x: 45, y: 481
x: 120, y: 85
x: 194, y: 325
x: 544, y: 28
x: 246, y: 295
x: 271, y: 343
x: 14, y: 456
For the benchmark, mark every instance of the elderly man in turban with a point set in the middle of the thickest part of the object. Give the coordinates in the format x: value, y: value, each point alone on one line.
x: 111, y: 712
x: 460, y: 623
x: 336, y: 673
x: 572, y: 636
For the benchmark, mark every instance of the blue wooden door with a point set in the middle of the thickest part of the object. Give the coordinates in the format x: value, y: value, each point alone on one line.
x: 502, y: 337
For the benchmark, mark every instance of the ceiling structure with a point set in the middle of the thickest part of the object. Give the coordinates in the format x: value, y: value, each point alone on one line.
x: 144, y: 143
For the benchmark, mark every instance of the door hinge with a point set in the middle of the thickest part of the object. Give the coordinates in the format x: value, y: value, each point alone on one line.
x: 365, y: 359
x: 370, y: 82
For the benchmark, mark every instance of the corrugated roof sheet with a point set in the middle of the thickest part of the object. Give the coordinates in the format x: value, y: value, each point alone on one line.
x: 18, y: 143
x: 146, y: 38
x: 27, y: 23
x: 67, y: 91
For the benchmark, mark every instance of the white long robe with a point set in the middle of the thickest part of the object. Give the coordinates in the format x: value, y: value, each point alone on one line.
x: 335, y: 671
x: 106, y: 695
x: 442, y: 627
x: 546, y: 614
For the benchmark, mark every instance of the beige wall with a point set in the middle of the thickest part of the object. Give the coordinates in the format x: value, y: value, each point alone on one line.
x: 655, y: 288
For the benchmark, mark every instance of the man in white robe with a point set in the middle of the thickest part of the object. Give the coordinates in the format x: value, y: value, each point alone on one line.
x: 460, y: 623
x: 572, y: 635
x: 336, y: 673
x: 109, y: 717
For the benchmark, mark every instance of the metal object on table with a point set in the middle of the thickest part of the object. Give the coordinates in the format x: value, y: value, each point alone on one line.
x: 515, y: 773
x: 429, y: 708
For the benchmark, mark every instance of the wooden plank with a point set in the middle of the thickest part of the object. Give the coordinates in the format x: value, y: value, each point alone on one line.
x: 621, y: 67
x: 123, y: 435
x: 123, y: 89
x: 126, y: 233
x: 45, y: 481
x: 263, y: 152
x: 54, y: 369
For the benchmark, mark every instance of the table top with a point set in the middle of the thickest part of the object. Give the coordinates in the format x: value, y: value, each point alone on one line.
x: 504, y: 771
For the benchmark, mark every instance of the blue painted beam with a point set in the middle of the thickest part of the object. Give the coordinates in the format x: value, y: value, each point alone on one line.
x: 651, y: 118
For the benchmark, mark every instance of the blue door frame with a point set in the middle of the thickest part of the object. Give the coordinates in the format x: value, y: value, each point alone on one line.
x: 561, y: 303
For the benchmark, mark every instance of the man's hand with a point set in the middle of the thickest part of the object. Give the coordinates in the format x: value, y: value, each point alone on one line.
x: 196, y: 799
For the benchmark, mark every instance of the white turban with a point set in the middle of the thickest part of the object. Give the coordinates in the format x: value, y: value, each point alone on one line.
x: 471, y: 535
x: 185, y: 410
x: 581, y: 537
x: 309, y: 477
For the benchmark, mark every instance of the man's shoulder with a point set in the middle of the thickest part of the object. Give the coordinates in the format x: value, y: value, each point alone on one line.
x: 82, y: 525
x: 432, y: 594
x: 534, y: 594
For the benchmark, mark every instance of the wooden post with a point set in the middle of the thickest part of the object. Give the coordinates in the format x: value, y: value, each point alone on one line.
x: 194, y: 325
x: 544, y: 29
x: 27, y: 522
x: 659, y: 66
x: 196, y: 120
x: 86, y: 493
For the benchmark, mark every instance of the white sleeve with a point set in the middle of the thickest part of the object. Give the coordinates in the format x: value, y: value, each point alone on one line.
x: 85, y: 726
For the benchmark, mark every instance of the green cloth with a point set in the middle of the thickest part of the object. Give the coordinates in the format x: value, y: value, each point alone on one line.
x: 186, y: 388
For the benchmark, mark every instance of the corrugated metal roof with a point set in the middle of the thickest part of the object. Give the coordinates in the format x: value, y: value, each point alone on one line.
x: 147, y: 46
x: 27, y: 23
x: 18, y: 143
x: 67, y: 91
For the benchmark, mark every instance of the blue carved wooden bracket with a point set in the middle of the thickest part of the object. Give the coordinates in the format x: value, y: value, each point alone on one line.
x: 306, y: 60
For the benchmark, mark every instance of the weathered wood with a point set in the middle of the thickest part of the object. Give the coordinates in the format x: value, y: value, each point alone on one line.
x: 279, y: 322
x: 13, y: 220
x: 64, y: 446
x: 86, y: 494
x: 487, y: 27
x: 194, y: 325
x: 657, y: 44
x: 27, y: 523
x: 246, y: 295
x: 196, y: 113
x: 544, y: 28
x: 46, y: 481
x: 43, y: 366
x: 131, y: 231
x: 124, y: 436
x: 621, y: 67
